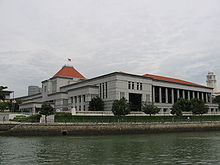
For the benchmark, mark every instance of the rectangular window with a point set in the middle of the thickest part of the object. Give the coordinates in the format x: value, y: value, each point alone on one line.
x: 137, y: 86
x: 84, y: 98
x: 75, y: 98
x: 100, y: 90
x: 84, y: 107
x: 129, y: 84
x: 140, y: 86
x: 80, y: 99
x: 103, y: 90
x: 79, y: 108
x: 106, y: 90
x: 132, y: 85
x: 71, y: 98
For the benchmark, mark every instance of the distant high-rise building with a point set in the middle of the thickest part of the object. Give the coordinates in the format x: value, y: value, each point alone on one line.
x: 211, y: 81
x: 33, y: 90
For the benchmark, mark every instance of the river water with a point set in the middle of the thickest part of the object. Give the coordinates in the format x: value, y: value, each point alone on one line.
x: 171, y: 148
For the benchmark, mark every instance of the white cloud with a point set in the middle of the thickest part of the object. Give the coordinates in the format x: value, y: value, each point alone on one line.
x: 172, y: 38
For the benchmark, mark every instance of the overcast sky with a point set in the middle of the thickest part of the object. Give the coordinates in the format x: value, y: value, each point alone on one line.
x: 176, y: 38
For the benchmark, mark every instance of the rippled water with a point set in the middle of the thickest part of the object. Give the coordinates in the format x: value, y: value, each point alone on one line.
x: 181, y: 148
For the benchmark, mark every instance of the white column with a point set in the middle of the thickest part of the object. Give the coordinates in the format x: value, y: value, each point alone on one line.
x: 178, y: 93
x: 193, y: 94
x: 207, y: 98
x: 210, y: 96
x: 198, y: 94
x: 33, y: 110
x: 172, y: 96
x: 160, y: 95
x: 166, y: 89
x: 202, y: 96
x: 188, y: 92
x: 153, y: 97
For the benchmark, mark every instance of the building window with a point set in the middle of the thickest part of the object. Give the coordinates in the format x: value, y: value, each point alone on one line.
x: 84, y: 98
x: 129, y: 84
x: 157, y: 94
x: 79, y: 108
x: 75, y: 98
x: 103, y: 90
x: 140, y: 86
x: 80, y: 99
x: 45, y: 88
x: 100, y: 90
x: 164, y: 110
x: 106, y: 90
x: 132, y: 85
x: 137, y: 86
x: 84, y: 107
x: 71, y: 98
x: 170, y: 95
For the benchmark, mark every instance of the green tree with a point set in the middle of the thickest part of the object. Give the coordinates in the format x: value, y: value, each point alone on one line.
x: 96, y: 104
x: 199, y: 107
x: 46, y: 109
x: 181, y: 105
x: 150, y: 108
x: 2, y: 95
x: 217, y: 101
x: 3, y: 106
x: 120, y: 107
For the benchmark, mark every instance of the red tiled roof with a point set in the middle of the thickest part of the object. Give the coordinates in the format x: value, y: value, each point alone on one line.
x: 172, y: 80
x: 68, y: 71
x: 217, y: 93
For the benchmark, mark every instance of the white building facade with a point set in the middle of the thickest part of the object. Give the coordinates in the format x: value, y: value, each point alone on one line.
x: 68, y: 89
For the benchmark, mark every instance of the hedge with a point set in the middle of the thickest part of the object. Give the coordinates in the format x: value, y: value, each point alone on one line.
x: 67, y: 117
x: 32, y: 118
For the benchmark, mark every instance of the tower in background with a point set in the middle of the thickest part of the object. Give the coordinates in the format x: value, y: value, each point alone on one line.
x: 211, y: 81
x: 32, y: 90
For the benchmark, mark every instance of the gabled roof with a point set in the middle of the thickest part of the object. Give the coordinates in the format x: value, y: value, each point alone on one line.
x: 68, y: 71
x: 172, y: 80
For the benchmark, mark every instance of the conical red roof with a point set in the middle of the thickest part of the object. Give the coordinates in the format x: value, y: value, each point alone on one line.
x: 68, y: 71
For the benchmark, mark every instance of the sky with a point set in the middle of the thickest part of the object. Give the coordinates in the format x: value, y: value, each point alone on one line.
x: 174, y: 38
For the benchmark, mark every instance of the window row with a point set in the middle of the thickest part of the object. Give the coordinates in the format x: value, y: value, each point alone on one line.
x: 103, y: 90
x: 134, y: 85
x: 78, y: 99
x: 80, y: 108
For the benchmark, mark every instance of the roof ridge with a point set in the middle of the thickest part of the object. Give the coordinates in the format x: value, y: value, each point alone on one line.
x: 170, y: 79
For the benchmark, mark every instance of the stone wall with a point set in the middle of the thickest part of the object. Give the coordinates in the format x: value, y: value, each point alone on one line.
x: 103, y: 129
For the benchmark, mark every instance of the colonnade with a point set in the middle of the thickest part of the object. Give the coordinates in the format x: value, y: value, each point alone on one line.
x: 170, y: 95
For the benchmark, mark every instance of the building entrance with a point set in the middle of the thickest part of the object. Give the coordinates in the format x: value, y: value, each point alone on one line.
x: 135, y: 101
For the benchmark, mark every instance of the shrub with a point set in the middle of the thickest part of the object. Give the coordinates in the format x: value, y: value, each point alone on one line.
x: 199, y: 107
x: 182, y: 105
x: 149, y: 108
x: 96, y: 104
x: 120, y: 107
x: 32, y: 118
